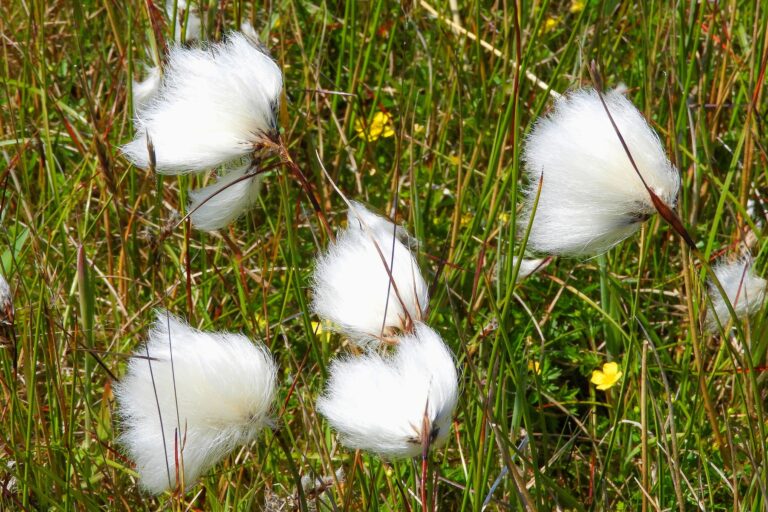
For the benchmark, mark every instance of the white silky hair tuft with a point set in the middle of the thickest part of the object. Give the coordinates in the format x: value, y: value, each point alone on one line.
x: 591, y: 197
x: 352, y: 286
x: 529, y: 266
x: 223, y: 391
x: 194, y: 26
x: 146, y: 90
x: 745, y: 290
x: 6, y: 302
x: 378, y: 402
x: 248, y: 31
x: 219, y: 204
x: 214, y: 106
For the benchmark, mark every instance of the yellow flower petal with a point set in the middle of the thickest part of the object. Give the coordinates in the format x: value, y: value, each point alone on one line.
x: 577, y: 6
x: 611, y: 369
x: 381, y: 126
x: 550, y: 24
x: 606, y: 378
x: 359, y: 128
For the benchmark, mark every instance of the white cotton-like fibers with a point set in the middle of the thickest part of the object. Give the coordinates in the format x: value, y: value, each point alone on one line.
x: 378, y: 403
x: 744, y: 289
x: 352, y: 286
x: 6, y: 302
x: 248, y: 31
x: 528, y: 266
x: 146, y: 90
x: 360, y: 217
x: 224, y: 385
x: 193, y: 20
x: 217, y: 205
x: 591, y: 197
x: 214, y: 106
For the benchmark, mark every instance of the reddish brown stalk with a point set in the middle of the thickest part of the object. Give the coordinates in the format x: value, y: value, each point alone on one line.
x: 285, y: 157
x: 157, y: 21
x: 664, y: 211
x: 426, y: 440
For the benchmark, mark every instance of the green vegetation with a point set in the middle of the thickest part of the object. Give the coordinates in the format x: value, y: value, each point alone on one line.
x: 91, y: 246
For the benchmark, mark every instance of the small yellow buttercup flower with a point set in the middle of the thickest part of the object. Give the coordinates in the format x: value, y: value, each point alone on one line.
x: 577, y: 6
x: 534, y: 367
x: 550, y: 24
x: 381, y: 126
x: 606, y: 378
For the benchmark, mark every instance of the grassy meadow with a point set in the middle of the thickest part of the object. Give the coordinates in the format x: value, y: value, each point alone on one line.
x: 91, y: 246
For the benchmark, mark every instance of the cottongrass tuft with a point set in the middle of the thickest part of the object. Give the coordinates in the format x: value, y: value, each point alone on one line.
x: 368, y: 284
x: 219, y: 204
x: 394, y: 405
x: 146, y: 90
x: 215, y: 105
x: 529, y: 266
x: 591, y: 197
x: 745, y: 290
x: 213, y: 395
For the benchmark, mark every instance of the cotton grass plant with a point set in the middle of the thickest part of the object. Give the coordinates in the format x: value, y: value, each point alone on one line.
x: 188, y: 398
x: 397, y: 403
x: 215, y: 107
x: 744, y: 290
x: 589, y: 194
x: 367, y: 284
x: 394, y: 405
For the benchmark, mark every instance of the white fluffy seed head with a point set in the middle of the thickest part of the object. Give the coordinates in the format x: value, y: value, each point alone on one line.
x: 224, y: 385
x: 352, y: 286
x: 378, y: 403
x: 6, y: 302
x: 745, y: 291
x: 146, y: 90
x: 591, y: 197
x: 529, y: 266
x: 221, y: 203
x: 215, y: 104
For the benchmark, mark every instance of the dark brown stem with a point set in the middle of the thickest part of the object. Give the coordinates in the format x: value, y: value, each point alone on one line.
x: 665, y: 211
x: 285, y: 157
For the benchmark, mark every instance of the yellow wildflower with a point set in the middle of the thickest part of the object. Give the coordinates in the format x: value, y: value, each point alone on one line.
x: 606, y: 378
x: 577, y: 6
x: 381, y: 126
x: 550, y: 24
x: 534, y: 367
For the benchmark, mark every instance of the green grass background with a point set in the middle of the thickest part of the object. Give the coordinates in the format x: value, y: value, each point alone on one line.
x: 684, y: 429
